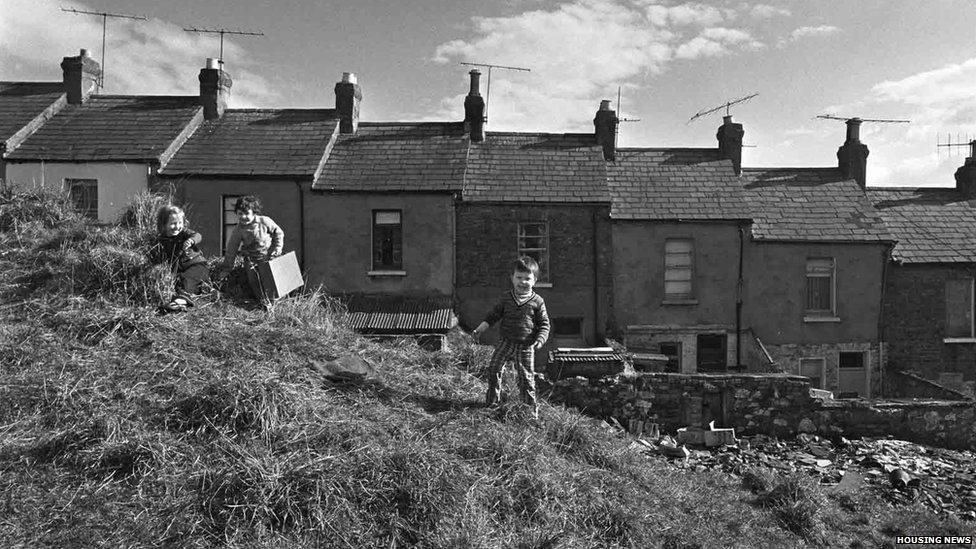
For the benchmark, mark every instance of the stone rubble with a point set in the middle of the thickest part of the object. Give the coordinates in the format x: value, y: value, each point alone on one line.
x: 899, y: 472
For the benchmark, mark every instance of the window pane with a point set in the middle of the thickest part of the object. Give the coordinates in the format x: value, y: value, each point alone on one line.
x: 959, y: 308
x: 677, y: 246
x: 683, y: 273
x: 84, y: 196
x: 533, y: 241
x: 230, y: 219
x: 387, y: 240
x: 818, y: 293
x: 387, y: 218
x: 852, y: 359
x: 672, y: 287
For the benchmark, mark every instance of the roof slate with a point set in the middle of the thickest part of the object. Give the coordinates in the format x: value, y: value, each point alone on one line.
x: 810, y: 204
x: 22, y: 102
x: 536, y: 167
x: 397, y: 156
x: 675, y: 184
x: 274, y: 142
x: 932, y: 225
x: 111, y: 128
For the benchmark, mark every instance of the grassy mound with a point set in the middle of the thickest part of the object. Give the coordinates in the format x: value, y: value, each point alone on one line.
x: 213, y: 428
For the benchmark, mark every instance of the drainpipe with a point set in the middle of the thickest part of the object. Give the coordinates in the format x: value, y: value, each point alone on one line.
x: 596, y: 281
x: 301, y: 225
x: 885, y: 258
x: 738, y: 302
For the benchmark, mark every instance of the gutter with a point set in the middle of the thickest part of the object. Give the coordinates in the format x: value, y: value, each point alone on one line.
x: 596, y: 281
x: 301, y: 225
x: 885, y: 259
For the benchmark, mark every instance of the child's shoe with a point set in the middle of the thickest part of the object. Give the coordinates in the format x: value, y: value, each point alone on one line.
x: 178, y: 305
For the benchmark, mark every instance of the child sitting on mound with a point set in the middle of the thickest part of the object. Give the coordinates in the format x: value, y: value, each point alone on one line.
x: 524, y: 328
x: 177, y: 246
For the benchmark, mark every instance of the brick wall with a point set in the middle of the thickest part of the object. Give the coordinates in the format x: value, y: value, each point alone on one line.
x: 579, y: 275
x: 915, y: 320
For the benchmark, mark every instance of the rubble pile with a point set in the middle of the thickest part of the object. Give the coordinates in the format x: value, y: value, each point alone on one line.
x: 898, y: 471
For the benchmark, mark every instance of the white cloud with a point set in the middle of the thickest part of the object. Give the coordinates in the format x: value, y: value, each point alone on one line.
x: 807, y: 32
x: 766, y: 11
x: 142, y: 57
x: 715, y: 42
x: 582, y: 49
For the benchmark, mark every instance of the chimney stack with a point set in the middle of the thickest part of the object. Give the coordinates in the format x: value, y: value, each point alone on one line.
x: 605, y: 123
x: 729, y: 137
x: 348, y: 96
x: 474, y: 109
x: 852, y: 156
x: 215, y: 87
x: 966, y: 174
x: 81, y: 75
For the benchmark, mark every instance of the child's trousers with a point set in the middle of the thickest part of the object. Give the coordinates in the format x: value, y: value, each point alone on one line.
x: 523, y: 355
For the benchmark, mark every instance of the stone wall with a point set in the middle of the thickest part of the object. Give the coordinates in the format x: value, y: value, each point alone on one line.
x: 866, y: 383
x: 909, y: 385
x: 773, y: 404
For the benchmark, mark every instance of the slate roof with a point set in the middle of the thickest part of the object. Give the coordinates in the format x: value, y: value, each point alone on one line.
x: 112, y: 128
x: 673, y: 184
x: 397, y: 156
x: 810, y: 204
x: 394, y: 314
x: 932, y: 225
x: 22, y: 102
x: 536, y: 167
x: 270, y: 142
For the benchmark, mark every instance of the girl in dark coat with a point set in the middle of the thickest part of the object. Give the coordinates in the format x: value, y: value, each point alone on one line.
x: 177, y: 246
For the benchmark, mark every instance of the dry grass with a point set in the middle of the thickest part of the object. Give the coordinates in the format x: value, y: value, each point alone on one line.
x: 124, y: 429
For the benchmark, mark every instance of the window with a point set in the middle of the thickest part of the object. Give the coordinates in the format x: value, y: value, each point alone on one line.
x: 820, y: 286
x: 84, y: 196
x: 567, y: 327
x: 228, y: 220
x: 387, y: 240
x: 533, y: 241
x: 851, y: 359
x: 711, y: 352
x: 959, y: 307
x: 813, y: 368
x: 678, y: 268
x: 672, y: 350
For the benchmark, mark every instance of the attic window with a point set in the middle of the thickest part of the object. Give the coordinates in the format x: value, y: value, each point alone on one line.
x: 84, y: 196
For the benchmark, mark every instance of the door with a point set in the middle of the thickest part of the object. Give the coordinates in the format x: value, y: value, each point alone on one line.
x: 813, y: 368
x: 852, y: 374
x: 711, y: 352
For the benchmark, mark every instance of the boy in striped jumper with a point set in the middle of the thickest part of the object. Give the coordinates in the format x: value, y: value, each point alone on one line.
x: 524, y: 328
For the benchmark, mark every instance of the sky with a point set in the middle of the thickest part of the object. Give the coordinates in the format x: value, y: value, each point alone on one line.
x: 873, y: 59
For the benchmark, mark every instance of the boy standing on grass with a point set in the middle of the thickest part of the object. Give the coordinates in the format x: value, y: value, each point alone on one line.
x: 524, y: 328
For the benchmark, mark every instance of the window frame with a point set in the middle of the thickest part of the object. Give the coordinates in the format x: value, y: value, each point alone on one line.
x: 544, y: 279
x: 692, y: 287
x: 70, y: 183
x: 815, y: 271
x: 227, y: 228
x: 972, y: 306
x: 375, y: 245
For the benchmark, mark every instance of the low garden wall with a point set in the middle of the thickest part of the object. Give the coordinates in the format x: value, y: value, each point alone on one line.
x: 772, y: 404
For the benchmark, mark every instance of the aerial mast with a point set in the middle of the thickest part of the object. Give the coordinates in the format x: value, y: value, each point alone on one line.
x: 105, y: 15
x: 488, y: 90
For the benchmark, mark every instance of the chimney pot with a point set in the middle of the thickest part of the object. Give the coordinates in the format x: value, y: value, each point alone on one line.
x: 966, y: 174
x: 605, y: 125
x: 81, y: 74
x: 348, y: 96
x: 852, y: 156
x: 729, y: 137
x: 215, y: 85
x: 474, y: 109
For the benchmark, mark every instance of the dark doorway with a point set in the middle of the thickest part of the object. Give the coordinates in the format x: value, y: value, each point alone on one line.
x: 711, y: 352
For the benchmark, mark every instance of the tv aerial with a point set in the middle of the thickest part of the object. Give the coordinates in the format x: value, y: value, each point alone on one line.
x: 727, y: 106
x: 856, y: 119
x: 488, y: 85
x: 104, y: 15
x: 620, y: 110
x: 952, y: 145
x: 222, y: 31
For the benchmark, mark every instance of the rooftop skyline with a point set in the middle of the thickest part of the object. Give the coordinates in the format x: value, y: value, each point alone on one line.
x: 670, y: 60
